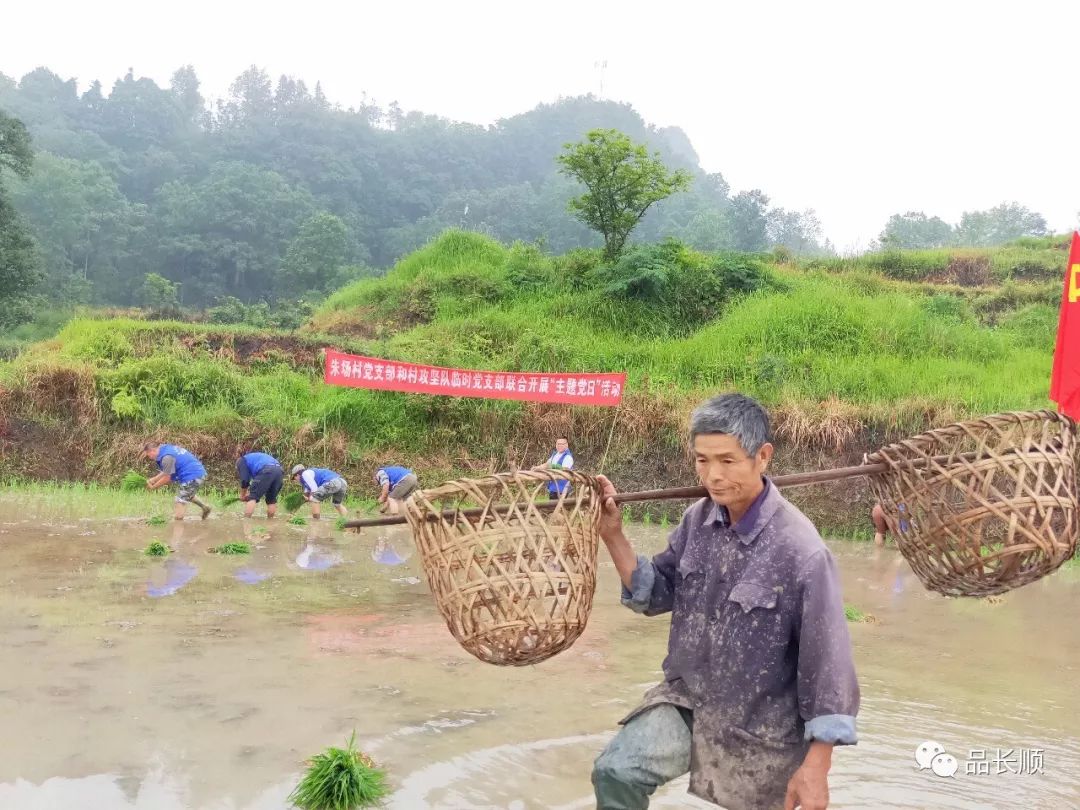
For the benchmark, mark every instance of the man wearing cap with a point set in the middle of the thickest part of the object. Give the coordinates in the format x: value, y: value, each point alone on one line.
x: 260, y: 477
x: 319, y: 484
x: 179, y: 465
x: 397, y: 484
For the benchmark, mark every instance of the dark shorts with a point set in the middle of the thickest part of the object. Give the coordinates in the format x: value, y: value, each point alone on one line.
x: 267, y: 484
x: 404, y: 488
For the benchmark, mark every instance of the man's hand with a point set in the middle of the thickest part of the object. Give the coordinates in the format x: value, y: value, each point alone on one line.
x: 610, y: 513
x: 243, y: 494
x: 809, y: 786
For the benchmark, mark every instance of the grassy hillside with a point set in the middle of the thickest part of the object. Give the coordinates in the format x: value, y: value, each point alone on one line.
x: 846, y: 352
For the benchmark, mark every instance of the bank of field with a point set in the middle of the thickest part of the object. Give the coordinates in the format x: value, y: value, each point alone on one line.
x: 845, y: 352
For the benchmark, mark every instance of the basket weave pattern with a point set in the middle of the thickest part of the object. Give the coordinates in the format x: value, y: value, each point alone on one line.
x: 981, y: 507
x: 514, y: 584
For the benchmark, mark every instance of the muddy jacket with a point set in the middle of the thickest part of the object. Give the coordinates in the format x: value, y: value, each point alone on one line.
x: 759, y: 648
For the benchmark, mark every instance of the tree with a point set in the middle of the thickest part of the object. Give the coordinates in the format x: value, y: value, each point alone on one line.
x: 915, y: 230
x: 228, y: 232
x: 252, y: 96
x: 184, y: 86
x: 19, y: 263
x: 82, y: 223
x: 157, y: 292
x: 749, y: 220
x: 314, y: 255
x: 798, y: 231
x: 16, y: 154
x: 998, y: 225
x: 623, y: 181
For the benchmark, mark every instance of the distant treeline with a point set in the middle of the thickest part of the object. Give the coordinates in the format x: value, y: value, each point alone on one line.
x: 146, y: 194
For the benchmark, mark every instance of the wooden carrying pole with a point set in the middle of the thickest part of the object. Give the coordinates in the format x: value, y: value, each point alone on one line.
x: 673, y: 494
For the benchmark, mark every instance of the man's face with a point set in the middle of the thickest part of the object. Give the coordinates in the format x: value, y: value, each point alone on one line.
x: 732, y: 477
x: 151, y: 453
x: 561, y: 445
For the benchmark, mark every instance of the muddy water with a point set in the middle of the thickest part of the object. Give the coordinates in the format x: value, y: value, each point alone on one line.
x: 203, y: 681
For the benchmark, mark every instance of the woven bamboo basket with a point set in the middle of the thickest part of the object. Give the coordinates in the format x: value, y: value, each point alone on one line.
x: 514, y: 583
x: 981, y: 507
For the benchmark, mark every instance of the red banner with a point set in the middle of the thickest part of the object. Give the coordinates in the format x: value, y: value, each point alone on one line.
x: 391, y: 375
x: 1065, y: 378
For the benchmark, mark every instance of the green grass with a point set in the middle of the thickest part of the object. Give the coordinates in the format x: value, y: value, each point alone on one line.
x: 156, y: 520
x: 46, y: 324
x: 232, y: 548
x: 341, y: 779
x: 854, y: 346
x: 156, y: 549
x: 297, y: 520
x: 83, y: 499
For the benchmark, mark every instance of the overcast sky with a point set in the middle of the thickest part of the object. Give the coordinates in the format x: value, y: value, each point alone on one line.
x: 856, y: 109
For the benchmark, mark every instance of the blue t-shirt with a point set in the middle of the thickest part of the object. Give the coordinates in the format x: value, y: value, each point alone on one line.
x: 391, y: 475
x: 188, y: 467
x: 322, y: 475
x: 256, y: 461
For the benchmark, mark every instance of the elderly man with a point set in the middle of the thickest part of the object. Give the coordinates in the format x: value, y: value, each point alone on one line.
x: 561, y: 459
x: 759, y: 683
x: 179, y: 465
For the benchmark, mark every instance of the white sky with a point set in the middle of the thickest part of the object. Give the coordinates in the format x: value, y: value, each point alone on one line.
x: 857, y: 109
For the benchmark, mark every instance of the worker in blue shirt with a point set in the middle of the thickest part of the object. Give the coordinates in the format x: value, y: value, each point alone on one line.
x: 260, y: 477
x: 318, y: 484
x: 395, y: 485
x: 179, y: 465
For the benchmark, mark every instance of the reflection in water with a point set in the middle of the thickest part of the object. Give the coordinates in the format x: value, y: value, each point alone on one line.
x: 314, y: 558
x: 236, y: 685
x: 250, y: 576
x: 110, y: 792
x: 177, y: 574
x: 385, y: 554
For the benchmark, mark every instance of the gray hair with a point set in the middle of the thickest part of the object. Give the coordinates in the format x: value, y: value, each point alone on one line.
x: 735, y: 415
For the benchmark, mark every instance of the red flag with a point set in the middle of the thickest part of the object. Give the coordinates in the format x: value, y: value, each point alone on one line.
x: 1065, y: 378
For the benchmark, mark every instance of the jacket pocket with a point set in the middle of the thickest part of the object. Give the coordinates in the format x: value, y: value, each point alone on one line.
x: 750, y: 595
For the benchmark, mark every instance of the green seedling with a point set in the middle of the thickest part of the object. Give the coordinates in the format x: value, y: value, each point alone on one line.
x: 133, y: 481
x: 341, y: 779
x: 232, y: 548
x: 297, y: 520
x: 156, y: 549
x: 854, y: 614
x: 293, y: 501
x: 156, y: 520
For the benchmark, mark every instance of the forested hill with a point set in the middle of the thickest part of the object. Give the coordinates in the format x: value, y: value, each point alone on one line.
x: 277, y: 193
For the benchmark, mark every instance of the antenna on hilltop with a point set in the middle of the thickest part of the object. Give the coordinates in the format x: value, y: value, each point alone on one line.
x: 601, y: 66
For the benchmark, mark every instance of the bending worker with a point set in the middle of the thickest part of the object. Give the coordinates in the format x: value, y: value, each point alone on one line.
x: 179, y: 465
x: 397, y: 484
x: 319, y: 484
x: 260, y: 477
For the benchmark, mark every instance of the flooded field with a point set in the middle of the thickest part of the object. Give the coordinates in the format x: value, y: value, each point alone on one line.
x: 203, y: 681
